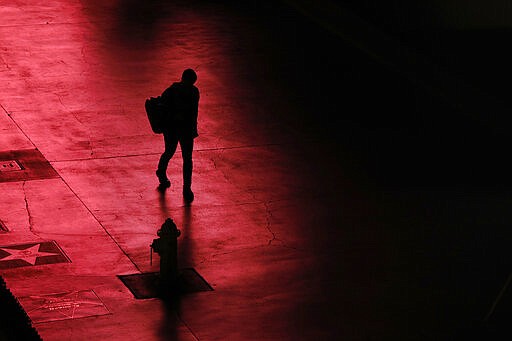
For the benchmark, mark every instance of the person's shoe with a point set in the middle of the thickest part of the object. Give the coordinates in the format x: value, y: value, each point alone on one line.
x: 162, y: 178
x: 188, y: 195
x: 164, y: 185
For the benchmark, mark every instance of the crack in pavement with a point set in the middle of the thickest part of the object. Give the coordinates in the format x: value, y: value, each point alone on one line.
x: 7, y: 66
x: 29, y: 215
x: 269, y: 222
x: 214, y: 161
x: 268, y: 211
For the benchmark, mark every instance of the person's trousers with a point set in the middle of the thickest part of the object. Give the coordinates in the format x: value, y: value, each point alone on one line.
x: 171, y: 143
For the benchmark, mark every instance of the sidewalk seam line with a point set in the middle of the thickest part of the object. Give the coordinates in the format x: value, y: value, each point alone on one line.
x: 159, y: 153
x: 102, y: 226
x: 18, y: 126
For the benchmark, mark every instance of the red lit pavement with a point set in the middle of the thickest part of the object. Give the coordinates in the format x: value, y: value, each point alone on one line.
x: 285, y: 226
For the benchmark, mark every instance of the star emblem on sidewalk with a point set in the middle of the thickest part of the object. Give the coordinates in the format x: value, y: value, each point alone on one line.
x: 29, y: 254
x: 63, y: 306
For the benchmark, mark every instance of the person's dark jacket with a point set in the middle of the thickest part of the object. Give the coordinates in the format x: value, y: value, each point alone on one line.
x: 182, y: 101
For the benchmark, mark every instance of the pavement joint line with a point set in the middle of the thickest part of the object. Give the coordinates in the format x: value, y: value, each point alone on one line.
x: 50, y: 23
x: 159, y: 153
x: 103, y: 157
x: 242, y: 249
x: 498, y: 298
x: 18, y: 126
x: 210, y: 258
x: 102, y: 226
x: 186, y: 325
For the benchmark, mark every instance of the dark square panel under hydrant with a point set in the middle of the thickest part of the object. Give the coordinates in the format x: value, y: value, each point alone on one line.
x: 147, y: 285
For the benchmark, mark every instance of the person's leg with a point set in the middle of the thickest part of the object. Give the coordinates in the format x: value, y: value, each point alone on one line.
x: 171, y: 142
x: 187, y: 146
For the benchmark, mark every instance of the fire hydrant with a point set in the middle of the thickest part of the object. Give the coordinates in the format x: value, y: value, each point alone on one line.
x: 167, y: 248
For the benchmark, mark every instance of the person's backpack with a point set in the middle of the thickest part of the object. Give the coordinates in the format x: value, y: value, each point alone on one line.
x: 156, y: 113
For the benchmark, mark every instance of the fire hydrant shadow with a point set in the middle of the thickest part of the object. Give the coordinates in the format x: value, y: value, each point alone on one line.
x: 167, y: 280
x: 186, y: 244
x: 172, y: 302
x: 176, y: 278
x: 162, y: 200
x: 171, y: 321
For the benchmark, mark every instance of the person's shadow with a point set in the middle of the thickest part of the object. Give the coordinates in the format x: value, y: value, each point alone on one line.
x: 162, y: 200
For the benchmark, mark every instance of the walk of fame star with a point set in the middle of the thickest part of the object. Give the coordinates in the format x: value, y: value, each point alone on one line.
x: 63, y: 306
x: 29, y: 254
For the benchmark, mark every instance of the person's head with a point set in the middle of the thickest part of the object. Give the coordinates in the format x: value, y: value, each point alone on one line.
x: 189, y: 76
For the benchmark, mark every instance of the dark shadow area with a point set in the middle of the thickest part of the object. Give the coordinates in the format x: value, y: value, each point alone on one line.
x: 471, y: 47
x: 185, y: 242
x: 446, y: 243
x: 130, y: 22
x: 170, y: 323
x: 139, y: 21
x: 15, y: 324
x: 397, y: 133
x: 481, y: 57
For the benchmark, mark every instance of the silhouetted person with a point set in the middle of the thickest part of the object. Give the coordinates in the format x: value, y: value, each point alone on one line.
x: 182, y: 100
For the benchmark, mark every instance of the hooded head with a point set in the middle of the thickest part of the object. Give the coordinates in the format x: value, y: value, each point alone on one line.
x: 189, y: 76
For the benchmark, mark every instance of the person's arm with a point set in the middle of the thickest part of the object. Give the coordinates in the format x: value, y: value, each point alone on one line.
x: 195, y: 108
x: 166, y: 96
x: 194, y: 111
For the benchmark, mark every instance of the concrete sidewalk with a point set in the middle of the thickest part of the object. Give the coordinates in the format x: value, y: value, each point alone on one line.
x: 288, y: 226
